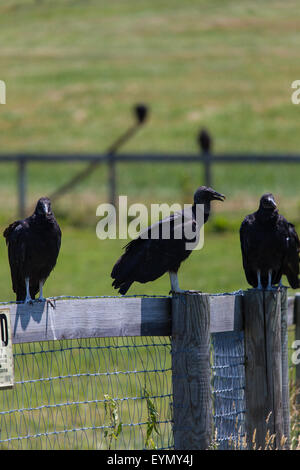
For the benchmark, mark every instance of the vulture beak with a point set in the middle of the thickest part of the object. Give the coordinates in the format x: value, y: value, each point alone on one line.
x: 272, y: 202
x: 47, y: 209
x: 218, y: 196
x: 269, y: 202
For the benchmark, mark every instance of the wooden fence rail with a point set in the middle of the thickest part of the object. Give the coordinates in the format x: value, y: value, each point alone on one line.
x: 111, y: 316
x: 120, y: 316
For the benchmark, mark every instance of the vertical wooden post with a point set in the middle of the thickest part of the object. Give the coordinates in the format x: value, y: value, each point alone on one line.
x: 112, y: 179
x: 191, y: 372
x: 263, y: 370
x: 22, y: 177
x: 297, y: 337
x: 207, y: 169
x: 205, y: 144
x: 285, y: 366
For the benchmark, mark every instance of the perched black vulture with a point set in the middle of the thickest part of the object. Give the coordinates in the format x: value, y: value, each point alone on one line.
x: 141, y: 112
x: 33, y: 247
x: 152, y: 254
x: 205, y: 141
x: 270, y: 246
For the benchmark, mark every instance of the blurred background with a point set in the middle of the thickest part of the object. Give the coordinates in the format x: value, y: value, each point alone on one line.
x: 74, y: 69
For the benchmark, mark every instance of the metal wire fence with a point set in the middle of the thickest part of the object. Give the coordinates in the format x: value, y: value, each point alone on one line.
x: 228, y: 385
x: 228, y: 371
x: 114, y: 393
x: 103, y: 393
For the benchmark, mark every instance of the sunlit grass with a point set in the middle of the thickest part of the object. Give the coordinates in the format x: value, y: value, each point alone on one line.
x: 73, y: 71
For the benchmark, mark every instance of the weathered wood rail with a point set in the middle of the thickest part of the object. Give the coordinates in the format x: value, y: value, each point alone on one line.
x: 110, y: 316
x: 119, y: 316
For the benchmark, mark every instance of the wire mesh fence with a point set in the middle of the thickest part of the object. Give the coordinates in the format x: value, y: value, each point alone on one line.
x: 228, y: 385
x: 115, y: 393
x: 228, y: 380
x: 103, y: 393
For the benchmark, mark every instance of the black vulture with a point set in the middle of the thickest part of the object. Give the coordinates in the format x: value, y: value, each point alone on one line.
x: 205, y: 141
x: 141, y: 112
x: 33, y: 247
x: 152, y: 254
x: 270, y: 246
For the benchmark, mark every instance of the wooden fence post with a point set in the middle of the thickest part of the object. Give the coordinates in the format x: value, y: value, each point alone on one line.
x: 285, y: 366
x: 297, y: 337
x: 112, y: 179
x: 207, y: 169
x: 263, y: 369
x: 191, y: 372
x: 205, y: 144
x: 22, y: 182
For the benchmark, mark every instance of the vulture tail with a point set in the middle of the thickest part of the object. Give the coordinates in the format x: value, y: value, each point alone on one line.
x: 123, y: 286
x: 20, y: 295
x: 293, y: 279
x: 124, y: 271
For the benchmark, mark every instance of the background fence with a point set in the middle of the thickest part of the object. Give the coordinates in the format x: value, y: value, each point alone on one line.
x: 206, y: 159
x: 100, y: 373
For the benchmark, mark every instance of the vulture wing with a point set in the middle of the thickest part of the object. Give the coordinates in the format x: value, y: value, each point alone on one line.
x: 158, y: 249
x: 16, y: 236
x: 291, y: 261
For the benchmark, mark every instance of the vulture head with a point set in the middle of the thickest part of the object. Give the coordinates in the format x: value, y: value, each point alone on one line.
x: 204, y: 195
x: 43, y: 207
x: 267, y: 202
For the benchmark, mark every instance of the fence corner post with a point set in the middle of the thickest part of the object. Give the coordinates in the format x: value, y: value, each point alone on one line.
x: 191, y: 371
x: 263, y: 370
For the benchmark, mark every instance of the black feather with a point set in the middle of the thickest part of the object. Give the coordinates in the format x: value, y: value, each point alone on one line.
x: 149, y: 257
x: 33, y: 247
x: 269, y: 242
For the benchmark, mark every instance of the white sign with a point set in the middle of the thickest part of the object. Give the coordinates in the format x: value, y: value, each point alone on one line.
x: 6, y: 353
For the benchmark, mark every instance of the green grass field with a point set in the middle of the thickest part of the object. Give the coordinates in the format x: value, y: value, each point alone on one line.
x: 74, y: 69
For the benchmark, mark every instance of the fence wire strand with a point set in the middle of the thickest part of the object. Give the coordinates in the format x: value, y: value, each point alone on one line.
x: 228, y: 370
x: 106, y: 393
x: 88, y: 394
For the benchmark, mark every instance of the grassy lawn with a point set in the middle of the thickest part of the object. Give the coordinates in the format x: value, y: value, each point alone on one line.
x: 73, y: 70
